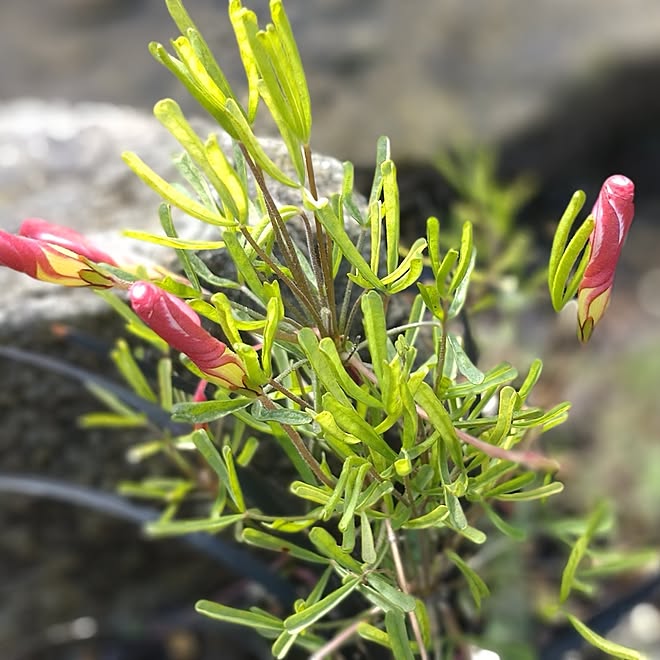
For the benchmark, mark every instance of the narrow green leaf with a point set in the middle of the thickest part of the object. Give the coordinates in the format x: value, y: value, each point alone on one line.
x: 269, y: 542
x: 183, y: 21
x: 431, y: 298
x: 248, y: 451
x: 605, y: 645
x: 567, y: 262
x: 509, y: 530
x: 221, y: 312
x: 375, y: 217
x: 531, y: 379
x: 165, y: 215
x: 335, y: 228
x: 367, y: 547
x: 233, y: 484
x: 561, y: 235
x: 474, y: 535
x: 274, y: 316
x: 463, y: 362
x: 375, y: 330
x: 424, y: 622
x: 347, y: 471
x: 244, y: 264
x: 207, y: 411
x: 319, y: 587
x: 318, y: 494
x: 198, y: 79
x: 391, y: 208
x: 176, y: 243
x: 327, y: 546
x: 328, y: 347
x: 447, y: 264
x: 373, y: 494
x: 238, y: 17
x: 287, y: 416
x: 113, y: 420
x: 392, y: 593
x: 125, y: 362
x: 321, y: 364
x: 348, y: 536
x: 497, y: 376
x: 301, y: 620
x: 172, y: 194
x: 351, y: 422
x: 351, y: 494
x: 372, y: 634
x: 205, y: 446
x: 437, y: 413
x: 433, y: 518
x: 382, y: 154
x: 333, y: 434
x: 395, y: 625
x: 347, y: 193
x: 477, y: 586
x: 411, y: 262
x: 508, y: 402
x: 535, y: 494
x: 578, y: 551
x: 466, y: 254
x: 294, y: 69
x: 260, y: 621
x: 178, y: 527
x: 242, y: 132
x: 230, y: 188
x: 460, y: 292
x: 282, y: 645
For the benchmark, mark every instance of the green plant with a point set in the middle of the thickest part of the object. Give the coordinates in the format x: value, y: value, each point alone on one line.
x: 403, y: 457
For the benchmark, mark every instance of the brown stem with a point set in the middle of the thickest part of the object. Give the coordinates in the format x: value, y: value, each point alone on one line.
x: 282, y: 236
x: 304, y: 301
x: 288, y: 393
x: 341, y: 638
x: 324, y: 247
x: 300, y: 446
x: 403, y: 585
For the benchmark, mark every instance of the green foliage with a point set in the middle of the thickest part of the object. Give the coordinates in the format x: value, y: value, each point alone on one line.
x: 401, y: 456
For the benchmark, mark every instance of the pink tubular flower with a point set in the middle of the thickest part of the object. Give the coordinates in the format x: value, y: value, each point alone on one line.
x: 178, y: 324
x: 47, y: 232
x: 613, y: 213
x: 53, y: 254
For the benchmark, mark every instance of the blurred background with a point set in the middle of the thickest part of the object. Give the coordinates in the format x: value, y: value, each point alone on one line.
x: 565, y: 92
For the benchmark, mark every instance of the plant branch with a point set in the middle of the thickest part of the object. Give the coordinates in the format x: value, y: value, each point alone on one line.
x: 300, y: 446
x: 341, y: 638
x: 300, y: 295
x: 282, y: 235
x: 288, y: 393
x: 324, y: 248
x: 403, y: 585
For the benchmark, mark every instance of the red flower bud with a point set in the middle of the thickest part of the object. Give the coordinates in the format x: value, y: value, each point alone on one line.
x: 178, y: 324
x: 47, y: 232
x: 49, y: 262
x: 613, y: 214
